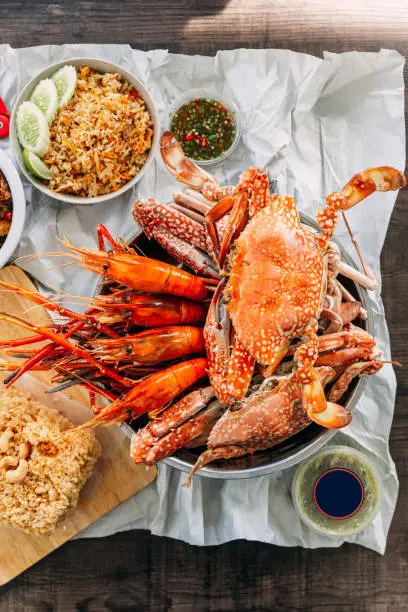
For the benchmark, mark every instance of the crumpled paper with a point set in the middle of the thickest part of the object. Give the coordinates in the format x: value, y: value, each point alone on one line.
x: 313, y: 123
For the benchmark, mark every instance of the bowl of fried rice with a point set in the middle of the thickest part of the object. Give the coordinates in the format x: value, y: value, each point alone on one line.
x: 102, y: 141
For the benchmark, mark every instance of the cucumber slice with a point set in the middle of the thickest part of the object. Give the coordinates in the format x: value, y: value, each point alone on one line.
x: 65, y: 80
x: 32, y: 128
x: 45, y: 97
x: 36, y: 166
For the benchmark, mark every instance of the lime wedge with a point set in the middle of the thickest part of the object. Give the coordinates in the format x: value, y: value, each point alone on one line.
x: 36, y: 165
x: 65, y: 80
x: 45, y: 97
x: 32, y: 129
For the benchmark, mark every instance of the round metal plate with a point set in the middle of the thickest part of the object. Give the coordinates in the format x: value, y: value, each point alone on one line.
x: 296, y: 448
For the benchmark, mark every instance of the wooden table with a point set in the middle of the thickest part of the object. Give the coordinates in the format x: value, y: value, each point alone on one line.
x: 134, y: 570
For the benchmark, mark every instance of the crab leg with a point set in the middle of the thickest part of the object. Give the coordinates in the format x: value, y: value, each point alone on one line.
x: 352, y: 338
x: 313, y: 399
x: 238, y: 208
x: 185, y: 433
x: 363, y: 368
x: 344, y: 356
x: 337, y: 266
x: 195, y: 216
x: 192, y: 200
x: 185, y: 253
x: 169, y: 419
x: 350, y: 298
x: 383, y: 178
x: 151, y: 393
x: 150, y: 213
x: 250, y: 196
x: 365, y: 280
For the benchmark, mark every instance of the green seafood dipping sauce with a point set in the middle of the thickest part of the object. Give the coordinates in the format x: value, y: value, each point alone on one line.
x: 204, y: 128
x: 362, y: 491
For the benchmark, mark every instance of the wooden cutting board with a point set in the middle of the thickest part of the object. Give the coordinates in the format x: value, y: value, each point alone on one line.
x: 115, y: 478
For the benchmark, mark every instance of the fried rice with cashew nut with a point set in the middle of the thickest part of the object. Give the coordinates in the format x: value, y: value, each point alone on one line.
x: 41, y: 472
x: 101, y: 139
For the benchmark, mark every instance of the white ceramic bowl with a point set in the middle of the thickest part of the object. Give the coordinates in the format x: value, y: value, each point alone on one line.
x: 100, y: 66
x: 19, y: 208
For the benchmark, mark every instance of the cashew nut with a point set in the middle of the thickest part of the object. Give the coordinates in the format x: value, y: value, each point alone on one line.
x: 52, y: 495
x: 24, y: 450
x: 8, y: 462
x: 5, y: 439
x: 17, y: 475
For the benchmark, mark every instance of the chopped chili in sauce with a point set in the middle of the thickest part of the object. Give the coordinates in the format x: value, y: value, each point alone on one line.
x: 205, y: 128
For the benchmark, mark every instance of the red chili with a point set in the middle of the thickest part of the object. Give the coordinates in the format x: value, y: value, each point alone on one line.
x: 197, y: 101
x: 3, y: 108
x: 8, y: 216
x: 133, y: 93
x: 4, y: 126
x: 189, y: 137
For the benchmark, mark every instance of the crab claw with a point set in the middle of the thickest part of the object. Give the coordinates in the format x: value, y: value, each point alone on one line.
x: 216, y: 337
x: 383, y: 178
x: 150, y: 214
x: 334, y: 417
x: 185, y: 170
x: 349, y: 311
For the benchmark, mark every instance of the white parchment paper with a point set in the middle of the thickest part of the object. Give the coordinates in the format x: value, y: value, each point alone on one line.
x: 313, y: 123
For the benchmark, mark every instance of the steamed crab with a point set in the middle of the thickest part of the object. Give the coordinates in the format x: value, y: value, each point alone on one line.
x: 275, y: 275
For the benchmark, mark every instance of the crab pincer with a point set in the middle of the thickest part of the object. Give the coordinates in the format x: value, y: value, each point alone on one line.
x: 187, y: 172
x: 148, y: 444
x: 177, y: 233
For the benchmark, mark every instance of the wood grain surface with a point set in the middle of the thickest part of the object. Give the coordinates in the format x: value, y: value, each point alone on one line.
x: 115, y: 477
x: 137, y: 571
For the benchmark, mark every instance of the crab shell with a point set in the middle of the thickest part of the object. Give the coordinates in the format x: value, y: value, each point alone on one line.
x: 277, y: 280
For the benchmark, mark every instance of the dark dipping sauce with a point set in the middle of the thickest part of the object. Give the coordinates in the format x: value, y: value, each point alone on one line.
x: 343, y: 511
x: 205, y: 129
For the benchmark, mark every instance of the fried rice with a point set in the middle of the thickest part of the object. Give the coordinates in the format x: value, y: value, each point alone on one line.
x: 101, y: 139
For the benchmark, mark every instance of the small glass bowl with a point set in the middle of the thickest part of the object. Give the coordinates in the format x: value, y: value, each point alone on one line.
x: 211, y: 94
x: 326, y: 530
